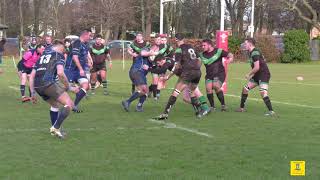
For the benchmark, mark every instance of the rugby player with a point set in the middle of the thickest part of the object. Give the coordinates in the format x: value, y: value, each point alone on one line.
x: 33, y: 43
x: 29, y: 59
x: 77, y: 62
x: 48, y: 42
x: 188, y: 62
x: 161, y: 49
x: 258, y: 76
x: 165, y: 64
x: 67, y: 44
x: 99, y: 53
x: 135, y: 49
x: 138, y: 73
x: 44, y: 80
x: 212, y: 58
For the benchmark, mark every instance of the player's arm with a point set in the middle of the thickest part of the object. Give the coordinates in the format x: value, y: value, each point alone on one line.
x: 230, y: 57
x: 227, y: 55
x: 75, y: 56
x: 89, y: 60
x: 146, y: 53
x: 107, y: 52
x: 163, y: 48
x: 131, y: 51
x: 174, y: 70
x: 62, y: 77
x: 255, y: 68
x: 76, y: 60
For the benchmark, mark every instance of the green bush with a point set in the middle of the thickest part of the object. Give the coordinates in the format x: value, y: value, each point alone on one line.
x: 296, y: 47
x: 234, y: 44
x: 268, y: 48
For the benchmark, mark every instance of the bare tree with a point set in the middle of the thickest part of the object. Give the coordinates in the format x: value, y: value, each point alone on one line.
x: 305, y: 10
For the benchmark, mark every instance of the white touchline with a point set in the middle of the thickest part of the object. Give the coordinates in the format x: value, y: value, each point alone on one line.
x: 279, y: 82
x: 174, y: 126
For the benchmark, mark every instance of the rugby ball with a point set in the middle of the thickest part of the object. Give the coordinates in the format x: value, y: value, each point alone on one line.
x: 299, y: 78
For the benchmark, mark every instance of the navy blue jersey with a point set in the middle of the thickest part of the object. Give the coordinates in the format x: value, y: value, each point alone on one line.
x: 81, y: 50
x: 139, y: 62
x: 46, y: 68
x: 48, y: 48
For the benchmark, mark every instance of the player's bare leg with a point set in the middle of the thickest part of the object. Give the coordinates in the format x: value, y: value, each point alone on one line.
x: 93, y: 80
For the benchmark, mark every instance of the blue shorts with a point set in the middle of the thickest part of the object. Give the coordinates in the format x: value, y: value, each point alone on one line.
x: 138, y: 77
x: 74, y: 76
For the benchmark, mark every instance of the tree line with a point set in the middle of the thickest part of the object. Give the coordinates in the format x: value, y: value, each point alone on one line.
x: 113, y: 18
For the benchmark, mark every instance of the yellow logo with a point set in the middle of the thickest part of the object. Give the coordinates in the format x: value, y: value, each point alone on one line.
x: 297, y: 168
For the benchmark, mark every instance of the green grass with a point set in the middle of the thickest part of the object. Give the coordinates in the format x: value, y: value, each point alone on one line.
x: 107, y: 143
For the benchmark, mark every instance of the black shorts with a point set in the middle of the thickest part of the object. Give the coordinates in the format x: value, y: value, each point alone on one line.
x: 191, y: 76
x: 138, y: 77
x: 261, y: 78
x: 26, y: 69
x: 98, y: 67
x: 52, y: 91
x: 218, y: 77
x: 20, y: 66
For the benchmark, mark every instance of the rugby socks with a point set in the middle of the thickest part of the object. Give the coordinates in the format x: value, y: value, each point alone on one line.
x: 268, y: 103
x: 82, y: 93
x: 93, y: 86
x: 53, y: 114
x: 62, y: 115
x: 104, y: 83
x: 211, y: 100
x: 158, y: 93
x: 133, y: 97
x: 142, y: 99
x: 133, y: 88
x: 22, y: 90
x: 203, y: 103
x: 243, y: 100
x: 30, y: 95
x: 195, y: 103
x: 221, y: 97
x: 154, y: 90
x: 171, y: 102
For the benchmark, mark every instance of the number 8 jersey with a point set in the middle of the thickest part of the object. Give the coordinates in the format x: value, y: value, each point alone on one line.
x: 46, y: 68
x: 187, y: 56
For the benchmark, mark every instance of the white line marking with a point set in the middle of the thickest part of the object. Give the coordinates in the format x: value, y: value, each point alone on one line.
x: 14, y: 88
x: 289, y: 83
x: 174, y: 126
x: 278, y: 102
x: 230, y: 95
x: 17, y: 130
